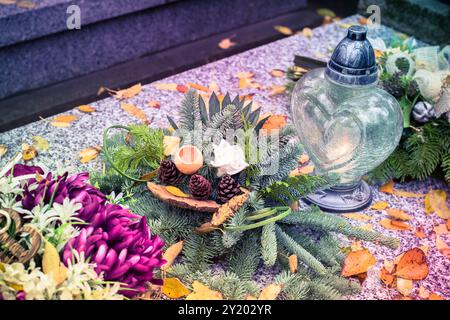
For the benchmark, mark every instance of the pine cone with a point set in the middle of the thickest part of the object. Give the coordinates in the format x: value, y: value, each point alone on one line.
x: 394, y: 85
x: 200, y: 187
x: 227, y: 188
x: 168, y: 173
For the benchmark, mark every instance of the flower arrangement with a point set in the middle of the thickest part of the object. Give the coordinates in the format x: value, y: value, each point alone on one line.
x: 62, y: 239
x: 226, y: 190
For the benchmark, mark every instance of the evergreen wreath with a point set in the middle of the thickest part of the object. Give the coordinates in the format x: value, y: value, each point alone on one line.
x: 259, y: 217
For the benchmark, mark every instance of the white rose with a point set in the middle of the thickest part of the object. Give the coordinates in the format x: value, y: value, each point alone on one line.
x: 229, y: 159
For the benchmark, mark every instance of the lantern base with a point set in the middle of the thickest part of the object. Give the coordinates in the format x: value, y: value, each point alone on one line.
x: 342, y: 198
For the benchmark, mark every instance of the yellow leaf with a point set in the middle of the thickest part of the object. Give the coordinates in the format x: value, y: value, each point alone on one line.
x: 250, y: 297
x: 88, y: 154
x: 176, y: 192
x: 398, y: 214
x: 165, y: 86
x: 293, y: 263
x: 86, y: 109
x: 128, y: 93
x: 270, y: 292
x: 357, y: 216
x: 284, y: 30
x: 388, y: 187
x: 307, y: 32
x: 51, y: 264
x: 437, y: 203
x: 407, y: 194
x: 278, y: 73
x: 171, y: 145
x: 405, y: 286
x: 423, y: 293
x: 245, y: 83
x: 226, y: 43
x: 28, y: 152
x: 171, y: 254
x: 3, y: 150
x: 60, y: 124
x: 202, y: 292
x: 442, y: 246
x: 40, y: 143
x: 135, y: 112
x: 174, y: 288
x: 380, y: 205
x: 245, y: 74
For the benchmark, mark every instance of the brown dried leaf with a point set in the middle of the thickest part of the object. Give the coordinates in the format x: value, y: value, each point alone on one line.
x: 357, y: 262
x: 386, y: 277
x: 412, y: 265
x: 171, y: 254
x: 226, y: 43
x: 284, y: 30
x: 398, y: 214
x: 276, y: 90
x: 270, y: 292
x: 202, y: 292
x: 420, y: 233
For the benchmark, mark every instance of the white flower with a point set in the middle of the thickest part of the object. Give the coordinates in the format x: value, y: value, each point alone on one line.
x: 378, y: 43
x: 230, y: 159
x: 66, y: 211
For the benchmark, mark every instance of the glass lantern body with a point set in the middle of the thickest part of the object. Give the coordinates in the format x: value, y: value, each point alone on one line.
x: 346, y: 129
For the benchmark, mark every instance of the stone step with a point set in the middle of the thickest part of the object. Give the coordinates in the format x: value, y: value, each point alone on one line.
x: 37, y: 50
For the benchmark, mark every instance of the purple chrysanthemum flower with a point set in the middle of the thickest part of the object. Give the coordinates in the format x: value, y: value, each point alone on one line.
x: 120, y: 245
x: 20, y: 295
x: 74, y: 187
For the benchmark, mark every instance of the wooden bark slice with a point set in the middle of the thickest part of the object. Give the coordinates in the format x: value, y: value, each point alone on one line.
x: 162, y: 194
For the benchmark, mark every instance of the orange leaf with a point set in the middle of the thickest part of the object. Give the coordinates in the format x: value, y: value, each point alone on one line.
x: 448, y: 224
x: 302, y: 171
x: 357, y: 216
x: 412, y: 265
x: 245, y: 83
x: 419, y: 233
x: 388, y: 187
x: 63, y: 121
x: 442, y: 246
x: 386, y: 277
x: 135, y: 112
x: 307, y: 32
x: 226, y: 43
x: 166, y: 86
x: 197, y: 87
x: 171, y: 254
x: 435, y: 296
x: 182, y: 88
x: 380, y: 205
x: 276, y: 121
x: 358, y: 262
x: 293, y: 263
x: 398, y: 214
x: 394, y: 225
x: 128, y: 93
x: 276, y: 90
x: 304, y: 158
x: 86, y: 109
x: 278, y: 73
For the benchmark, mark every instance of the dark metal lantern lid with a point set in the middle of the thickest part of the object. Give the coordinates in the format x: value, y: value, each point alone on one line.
x: 353, y: 59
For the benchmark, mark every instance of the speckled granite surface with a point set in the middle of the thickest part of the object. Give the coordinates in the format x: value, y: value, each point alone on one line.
x: 65, y: 143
